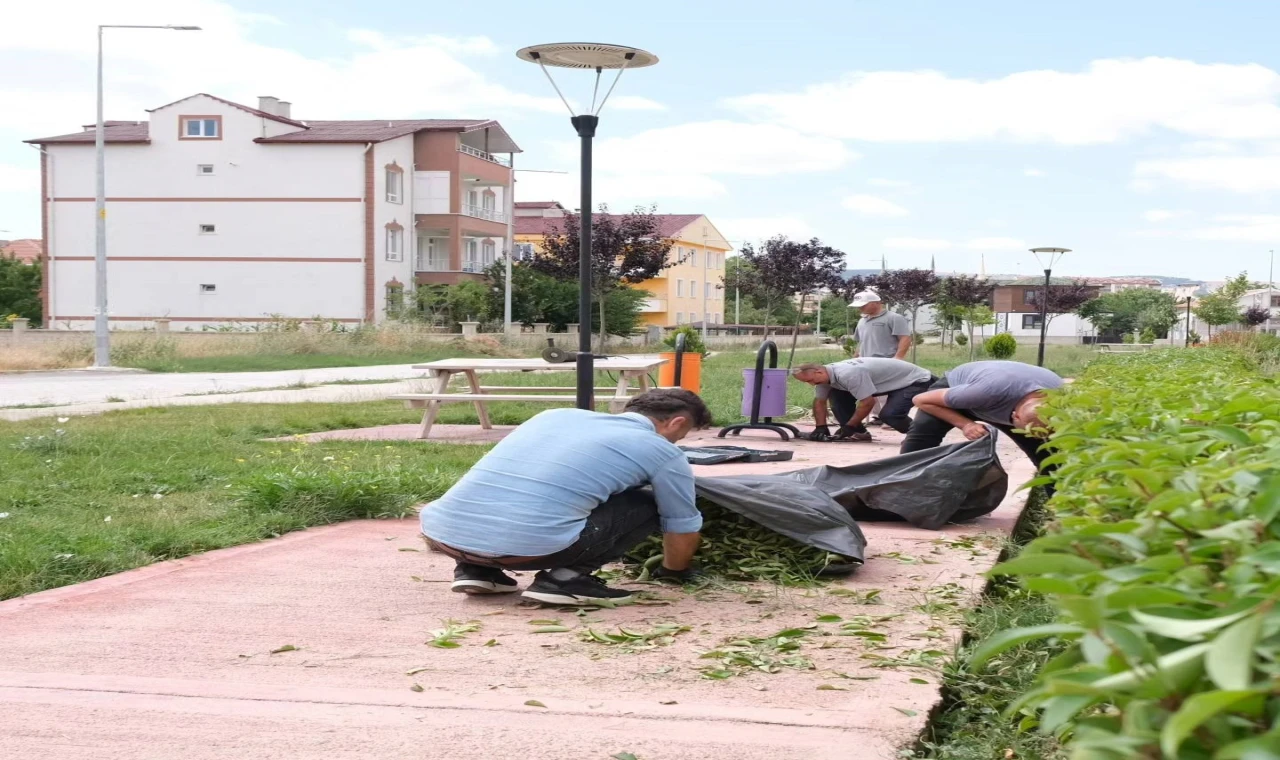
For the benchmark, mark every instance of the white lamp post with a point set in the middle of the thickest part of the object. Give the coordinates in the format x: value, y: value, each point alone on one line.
x: 101, y: 336
x: 586, y: 55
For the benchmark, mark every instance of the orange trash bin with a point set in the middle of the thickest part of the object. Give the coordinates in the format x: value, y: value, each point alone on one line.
x: 690, y: 371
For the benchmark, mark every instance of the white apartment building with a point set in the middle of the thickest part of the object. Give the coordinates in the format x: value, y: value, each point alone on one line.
x: 219, y: 213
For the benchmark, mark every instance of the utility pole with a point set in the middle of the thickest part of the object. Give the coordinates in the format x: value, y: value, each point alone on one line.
x: 1187, y: 342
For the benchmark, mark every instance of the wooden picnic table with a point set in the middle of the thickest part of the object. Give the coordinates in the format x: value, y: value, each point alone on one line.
x: 629, y: 369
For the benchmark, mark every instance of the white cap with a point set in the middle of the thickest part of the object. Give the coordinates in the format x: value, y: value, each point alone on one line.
x: 864, y: 298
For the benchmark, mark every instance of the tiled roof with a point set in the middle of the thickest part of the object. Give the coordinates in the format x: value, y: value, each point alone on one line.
x: 1142, y: 281
x: 246, y: 109
x: 377, y: 130
x: 669, y: 225
x: 1034, y: 281
x: 27, y: 251
x: 112, y: 132
x: 538, y: 204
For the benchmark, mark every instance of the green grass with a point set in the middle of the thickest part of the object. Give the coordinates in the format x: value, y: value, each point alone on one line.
x: 971, y: 725
x: 180, y: 480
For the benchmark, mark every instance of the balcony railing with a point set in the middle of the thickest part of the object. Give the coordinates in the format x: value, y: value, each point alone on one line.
x: 424, y: 263
x: 480, y: 212
x: 470, y: 151
x: 474, y: 267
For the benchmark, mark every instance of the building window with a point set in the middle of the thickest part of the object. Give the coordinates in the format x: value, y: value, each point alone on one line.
x: 524, y: 252
x: 679, y: 317
x: 208, y: 288
x: 706, y: 290
x: 200, y: 128
x: 1030, y: 321
x: 433, y: 255
x: 1031, y: 297
x: 395, y: 243
x: 693, y: 288
x: 693, y: 257
x: 208, y: 229
x: 679, y: 289
x: 489, y: 252
x: 719, y: 318
x: 204, y: 170
x: 395, y: 184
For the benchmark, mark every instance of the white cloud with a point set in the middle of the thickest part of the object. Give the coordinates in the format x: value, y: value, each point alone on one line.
x: 1252, y: 228
x: 1111, y: 100
x: 872, y: 205
x: 1160, y: 215
x: 757, y: 228
x: 1241, y: 174
x: 634, y: 103
x: 717, y: 147
x: 620, y: 192
x: 19, y: 179
x: 1030, y: 172
x: 148, y: 68
x: 917, y: 244
x: 880, y: 182
x: 996, y: 244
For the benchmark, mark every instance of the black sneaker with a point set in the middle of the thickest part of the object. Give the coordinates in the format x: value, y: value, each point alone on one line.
x: 875, y: 422
x: 580, y: 590
x: 849, y: 434
x: 478, y: 579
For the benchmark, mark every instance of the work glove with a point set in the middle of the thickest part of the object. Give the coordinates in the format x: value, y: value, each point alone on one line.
x: 689, y: 575
x: 820, y: 433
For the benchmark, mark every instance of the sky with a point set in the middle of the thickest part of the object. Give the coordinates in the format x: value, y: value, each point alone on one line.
x: 1144, y: 136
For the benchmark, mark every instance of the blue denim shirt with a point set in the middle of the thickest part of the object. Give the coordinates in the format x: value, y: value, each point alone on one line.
x: 531, y: 494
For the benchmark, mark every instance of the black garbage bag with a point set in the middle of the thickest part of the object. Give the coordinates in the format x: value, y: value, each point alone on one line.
x: 928, y: 489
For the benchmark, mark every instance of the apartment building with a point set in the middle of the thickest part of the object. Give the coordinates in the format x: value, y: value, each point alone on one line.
x: 220, y: 213
x: 1017, y: 308
x: 688, y: 291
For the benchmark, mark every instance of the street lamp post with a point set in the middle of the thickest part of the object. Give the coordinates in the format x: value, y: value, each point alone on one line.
x: 101, y: 335
x: 1050, y: 256
x: 586, y: 55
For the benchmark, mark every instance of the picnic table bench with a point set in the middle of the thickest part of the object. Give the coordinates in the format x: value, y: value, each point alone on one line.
x: 1124, y: 348
x: 629, y: 369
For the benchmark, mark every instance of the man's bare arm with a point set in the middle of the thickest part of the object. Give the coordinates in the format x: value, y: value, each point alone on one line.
x: 904, y: 345
x: 678, y: 550
x: 934, y: 403
x: 863, y: 411
x: 819, y: 412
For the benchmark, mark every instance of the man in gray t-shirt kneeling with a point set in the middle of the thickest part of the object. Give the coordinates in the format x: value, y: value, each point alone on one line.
x: 1004, y: 394
x: 853, y: 385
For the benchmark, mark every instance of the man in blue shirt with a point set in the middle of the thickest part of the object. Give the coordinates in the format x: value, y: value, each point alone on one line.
x: 563, y: 494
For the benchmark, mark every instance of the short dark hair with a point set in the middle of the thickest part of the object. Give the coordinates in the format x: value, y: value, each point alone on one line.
x: 664, y: 403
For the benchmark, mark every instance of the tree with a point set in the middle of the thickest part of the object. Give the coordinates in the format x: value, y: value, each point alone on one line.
x: 1216, y: 310
x: 908, y: 289
x: 20, y: 289
x: 1255, y: 315
x: 1133, y: 309
x: 625, y: 249
x: 1068, y: 298
x: 980, y: 315
x: 957, y: 297
x: 785, y: 268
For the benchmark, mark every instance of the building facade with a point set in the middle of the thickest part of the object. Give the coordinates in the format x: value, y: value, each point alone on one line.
x: 1017, y: 308
x: 688, y: 291
x: 219, y: 214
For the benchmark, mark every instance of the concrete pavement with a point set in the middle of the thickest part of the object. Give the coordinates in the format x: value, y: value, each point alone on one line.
x: 176, y: 659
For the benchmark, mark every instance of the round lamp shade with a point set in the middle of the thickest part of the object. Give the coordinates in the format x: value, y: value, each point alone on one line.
x: 587, y: 55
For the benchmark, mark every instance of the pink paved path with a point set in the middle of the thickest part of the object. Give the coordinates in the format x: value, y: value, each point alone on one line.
x: 174, y: 661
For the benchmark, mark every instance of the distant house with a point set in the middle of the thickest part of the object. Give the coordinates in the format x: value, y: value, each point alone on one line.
x: 1017, y: 308
x: 28, y: 251
x: 690, y: 290
x: 1117, y: 284
x: 1265, y: 297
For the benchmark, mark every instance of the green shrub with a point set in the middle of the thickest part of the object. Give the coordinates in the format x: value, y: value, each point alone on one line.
x: 836, y: 332
x: 961, y: 339
x: 1148, y: 336
x: 1127, y: 338
x: 1163, y: 561
x: 692, y: 340
x: 917, y: 338
x: 1001, y: 346
x: 1195, y: 338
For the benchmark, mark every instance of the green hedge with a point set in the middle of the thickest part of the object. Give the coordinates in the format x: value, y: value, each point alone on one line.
x: 1163, y: 562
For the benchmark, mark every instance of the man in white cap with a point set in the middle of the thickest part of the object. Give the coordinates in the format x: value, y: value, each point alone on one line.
x: 881, y: 334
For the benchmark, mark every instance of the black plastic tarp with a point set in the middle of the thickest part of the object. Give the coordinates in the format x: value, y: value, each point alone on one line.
x: 819, y: 506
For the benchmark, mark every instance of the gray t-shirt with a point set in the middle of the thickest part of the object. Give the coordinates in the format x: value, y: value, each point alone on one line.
x: 990, y: 390
x: 864, y: 378
x: 878, y: 336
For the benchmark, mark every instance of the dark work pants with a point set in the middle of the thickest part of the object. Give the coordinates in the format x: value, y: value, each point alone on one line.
x: 619, y: 523
x: 928, y: 431
x: 895, y: 413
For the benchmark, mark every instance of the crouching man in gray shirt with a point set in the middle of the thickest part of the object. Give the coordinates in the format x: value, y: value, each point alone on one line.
x: 852, y: 387
x: 1004, y: 394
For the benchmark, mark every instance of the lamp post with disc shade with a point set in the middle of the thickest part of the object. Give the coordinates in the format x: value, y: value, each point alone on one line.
x: 597, y: 57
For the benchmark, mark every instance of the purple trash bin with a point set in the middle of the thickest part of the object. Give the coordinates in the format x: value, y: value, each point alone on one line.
x: 773, y: 393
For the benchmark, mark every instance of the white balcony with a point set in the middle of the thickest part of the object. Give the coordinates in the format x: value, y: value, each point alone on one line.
x: 653, y: 306
x: 480, y: 212
x: 470, y: 151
